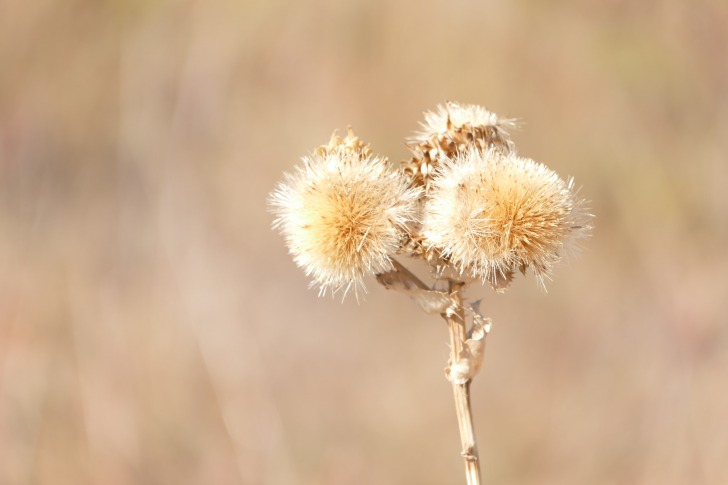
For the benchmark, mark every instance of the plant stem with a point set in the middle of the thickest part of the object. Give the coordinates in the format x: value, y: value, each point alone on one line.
x: 458, y: 336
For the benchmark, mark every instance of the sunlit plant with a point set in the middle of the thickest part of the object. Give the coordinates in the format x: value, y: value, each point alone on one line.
x: 465, y: 203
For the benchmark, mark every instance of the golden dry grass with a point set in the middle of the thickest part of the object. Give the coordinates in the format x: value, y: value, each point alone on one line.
x: 154, y: 330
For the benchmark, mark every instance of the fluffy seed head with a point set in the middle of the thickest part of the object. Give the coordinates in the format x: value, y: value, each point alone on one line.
x: 452, y: 129
x: 342, y: 215
x: 492, y: 213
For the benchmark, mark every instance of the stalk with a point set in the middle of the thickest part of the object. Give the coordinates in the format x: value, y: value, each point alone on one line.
x: 458, y: 335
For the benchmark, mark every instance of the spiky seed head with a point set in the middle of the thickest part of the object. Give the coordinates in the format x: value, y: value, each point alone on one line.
x: 452, y: 129
x: 342, y: 215
x: 464, y: 125
x: 492, y: 213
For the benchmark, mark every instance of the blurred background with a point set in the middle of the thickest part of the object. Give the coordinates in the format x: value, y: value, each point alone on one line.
x: 153, y: 328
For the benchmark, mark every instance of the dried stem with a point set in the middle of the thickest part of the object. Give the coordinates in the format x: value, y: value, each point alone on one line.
x: 458, y: 335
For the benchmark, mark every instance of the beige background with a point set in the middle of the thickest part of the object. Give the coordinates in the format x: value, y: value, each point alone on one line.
x: 153, y: 329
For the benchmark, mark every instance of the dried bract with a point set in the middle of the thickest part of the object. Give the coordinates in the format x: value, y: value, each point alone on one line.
x: 350, y: 144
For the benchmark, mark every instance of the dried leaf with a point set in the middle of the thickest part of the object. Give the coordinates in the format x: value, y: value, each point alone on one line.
x: 471, y: 357
x: 430, y: 301
x: 399, y: 281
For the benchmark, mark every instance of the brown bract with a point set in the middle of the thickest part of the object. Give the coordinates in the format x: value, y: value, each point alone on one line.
x: 349, y: 145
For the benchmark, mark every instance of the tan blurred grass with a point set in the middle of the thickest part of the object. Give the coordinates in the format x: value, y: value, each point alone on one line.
x: 153, y: 329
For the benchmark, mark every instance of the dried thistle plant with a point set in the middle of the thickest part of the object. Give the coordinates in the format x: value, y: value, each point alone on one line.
x: 465, y: 204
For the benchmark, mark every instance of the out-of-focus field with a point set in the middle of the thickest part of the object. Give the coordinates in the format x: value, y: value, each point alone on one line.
x: 153, y: 329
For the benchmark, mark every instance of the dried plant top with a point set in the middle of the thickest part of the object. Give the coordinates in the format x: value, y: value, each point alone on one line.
x: 465, y: 203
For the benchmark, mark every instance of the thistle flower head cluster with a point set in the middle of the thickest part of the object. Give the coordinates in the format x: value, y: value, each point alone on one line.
x: 343, y: 213
x: 464, y: 202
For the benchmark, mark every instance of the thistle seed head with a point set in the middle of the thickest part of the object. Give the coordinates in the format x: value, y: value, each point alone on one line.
x: 492, y: 213
x: 452, y: 129
x: 342, y: 214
